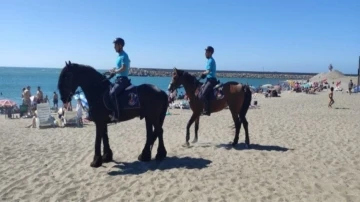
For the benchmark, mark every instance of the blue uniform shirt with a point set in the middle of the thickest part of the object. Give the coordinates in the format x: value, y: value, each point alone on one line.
x: 211, y: 66
x: 122, y: 59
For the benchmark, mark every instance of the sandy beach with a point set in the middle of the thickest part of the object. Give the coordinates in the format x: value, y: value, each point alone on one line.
x: 301, y: 151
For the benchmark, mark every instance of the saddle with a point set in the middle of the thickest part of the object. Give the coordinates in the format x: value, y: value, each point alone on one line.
x: 216, y: 94
x: 126, y: 100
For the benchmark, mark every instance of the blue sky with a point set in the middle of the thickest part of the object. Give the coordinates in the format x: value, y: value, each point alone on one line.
x: 277, y: 35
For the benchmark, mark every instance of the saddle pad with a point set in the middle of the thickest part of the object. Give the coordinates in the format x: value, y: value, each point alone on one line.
x: 216, y: 93
x: 129, y: 99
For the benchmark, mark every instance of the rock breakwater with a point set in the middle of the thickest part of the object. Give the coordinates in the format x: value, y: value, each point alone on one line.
x: 223, y: 74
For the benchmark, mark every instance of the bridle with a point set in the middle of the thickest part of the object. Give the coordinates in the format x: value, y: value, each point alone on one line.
x: 196, y: 81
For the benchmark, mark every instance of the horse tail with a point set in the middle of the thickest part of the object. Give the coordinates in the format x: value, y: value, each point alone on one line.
x: 164, y: 109
x: 247, y: 99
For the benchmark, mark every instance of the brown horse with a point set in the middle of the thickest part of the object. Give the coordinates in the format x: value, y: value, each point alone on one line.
x: 234, y: 95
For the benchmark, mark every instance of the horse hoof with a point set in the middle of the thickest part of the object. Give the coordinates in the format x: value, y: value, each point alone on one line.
x: 144, y: 158
x: 160, y: 156
x: 97, y: 162
x: 195, y: 140
x: 107, y: 157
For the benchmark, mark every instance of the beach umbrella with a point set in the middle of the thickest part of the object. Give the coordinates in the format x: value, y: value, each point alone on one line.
x: 267, y: 86
x: 356, y: 89
x: 252, y: 88
x: 33, y: 99
x: 7, y: 103
x: 82, y: 98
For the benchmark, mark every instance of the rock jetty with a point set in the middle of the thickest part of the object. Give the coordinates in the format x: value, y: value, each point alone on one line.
x: 223, y: 74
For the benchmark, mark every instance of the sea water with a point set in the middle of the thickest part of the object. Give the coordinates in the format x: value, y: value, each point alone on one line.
x: 14, y: 79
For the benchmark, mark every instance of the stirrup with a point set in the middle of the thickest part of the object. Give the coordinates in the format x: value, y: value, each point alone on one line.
x: 205, y: 111
x: 113, y: 117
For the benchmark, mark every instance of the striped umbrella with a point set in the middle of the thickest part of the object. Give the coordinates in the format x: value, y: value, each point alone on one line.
x: 7, y: 103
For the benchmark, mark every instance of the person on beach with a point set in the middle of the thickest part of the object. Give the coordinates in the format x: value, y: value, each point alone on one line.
x: 351, y: 84
x: 210, y: 75
x: 27, y: 96
x: 46, y: 99
x: 55, y: 100
x: 331, y: 97
x: 22, y: 95
x: 33, y: 122
x: 121, y: 71
x: 39, y: 95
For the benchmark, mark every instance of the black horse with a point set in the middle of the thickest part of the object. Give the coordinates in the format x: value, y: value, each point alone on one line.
x: 144, y: 101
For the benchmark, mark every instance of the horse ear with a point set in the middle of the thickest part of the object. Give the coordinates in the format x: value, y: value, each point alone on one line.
x: 175, y: 70
x: 66, y: 63
x: 69, y: 62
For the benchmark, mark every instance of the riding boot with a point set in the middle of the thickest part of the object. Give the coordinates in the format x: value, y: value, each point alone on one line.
x: 206, y: 110
x: 113, y: 116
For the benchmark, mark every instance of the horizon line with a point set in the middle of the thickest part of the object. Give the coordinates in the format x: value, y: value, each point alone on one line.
x: 193, y: 70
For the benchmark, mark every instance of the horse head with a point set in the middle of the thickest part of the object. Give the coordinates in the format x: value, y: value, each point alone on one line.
x: 68, y: 81
x: 176, y: 80
x: 75, y: 75
x: 181, y: 77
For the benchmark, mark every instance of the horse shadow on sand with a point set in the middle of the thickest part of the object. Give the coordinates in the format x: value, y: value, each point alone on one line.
x: 137, y: 167
x: 241, y: 146
x: 341, y: 108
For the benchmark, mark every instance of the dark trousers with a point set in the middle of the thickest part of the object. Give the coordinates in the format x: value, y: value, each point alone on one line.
x: 120, y: 84
x: 208, y: 88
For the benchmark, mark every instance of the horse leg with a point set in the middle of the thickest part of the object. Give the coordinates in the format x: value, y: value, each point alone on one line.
x: 190, y: 122
x: 161, y: 151
x: 196, y: 130
x: 153, y: 141
x: 158, y: 132
x: 146, y: 152
x: 237, y: 123
x: 97, y: 161
x: 246, y: 124
x: 108, y: 154
x: 242, y: 117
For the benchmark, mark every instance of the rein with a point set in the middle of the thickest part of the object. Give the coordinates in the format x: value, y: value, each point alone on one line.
x: 111, y: 75
x: 195, y: 81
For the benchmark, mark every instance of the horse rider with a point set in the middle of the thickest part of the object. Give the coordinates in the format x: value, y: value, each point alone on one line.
x: 121, y: 71
x: 210, y: 75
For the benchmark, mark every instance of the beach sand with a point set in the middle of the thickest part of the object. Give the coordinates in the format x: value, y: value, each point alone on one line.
x: 301, y: 151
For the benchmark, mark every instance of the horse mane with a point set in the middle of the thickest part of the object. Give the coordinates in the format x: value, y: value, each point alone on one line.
x: 189, y: 78
x: 78, y: 68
